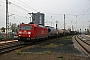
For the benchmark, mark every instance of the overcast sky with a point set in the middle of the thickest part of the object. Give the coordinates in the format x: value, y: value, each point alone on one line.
x: 54, y: 10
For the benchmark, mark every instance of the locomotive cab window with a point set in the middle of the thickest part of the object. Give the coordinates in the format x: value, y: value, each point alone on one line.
x: 28, y: 27
x: 25, y: 27
x: 22, y: 27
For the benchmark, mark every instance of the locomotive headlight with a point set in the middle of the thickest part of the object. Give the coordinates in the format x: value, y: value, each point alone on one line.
x: 29, y: 32
x: 20, y: 32
x: 29, y: 35
x: 19, y: 35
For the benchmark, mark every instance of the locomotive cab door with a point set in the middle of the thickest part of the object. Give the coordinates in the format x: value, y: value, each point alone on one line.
x: 35, y: 32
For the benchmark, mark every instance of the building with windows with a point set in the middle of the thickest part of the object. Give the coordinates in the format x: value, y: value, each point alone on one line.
x: 37, y: 18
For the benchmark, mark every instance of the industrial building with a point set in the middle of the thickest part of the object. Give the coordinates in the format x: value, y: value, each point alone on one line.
x: 37, y: 18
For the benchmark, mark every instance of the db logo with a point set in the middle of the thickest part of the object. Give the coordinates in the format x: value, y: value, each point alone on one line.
x: 42, y: 32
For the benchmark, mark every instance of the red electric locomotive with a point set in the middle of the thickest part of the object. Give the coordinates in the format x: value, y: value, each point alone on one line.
x: 31, y: 32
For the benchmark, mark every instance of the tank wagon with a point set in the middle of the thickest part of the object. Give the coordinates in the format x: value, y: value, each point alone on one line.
x: 51, y: 31
x: 60, y: 32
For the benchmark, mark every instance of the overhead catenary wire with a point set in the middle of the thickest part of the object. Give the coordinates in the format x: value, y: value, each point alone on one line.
x: 46, y: 13
x: 19, y: 7
x: 85, y: 8
x: 84, y: 14
x: 19, y: 12
x: 16, y: 11
x: 25, y: 5
x: 85, y: 11
x: 14, y: 14
x: 36, y: 10
x: 28, y: 6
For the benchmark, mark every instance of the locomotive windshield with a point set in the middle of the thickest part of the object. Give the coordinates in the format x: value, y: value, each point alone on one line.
x: 25, y: 27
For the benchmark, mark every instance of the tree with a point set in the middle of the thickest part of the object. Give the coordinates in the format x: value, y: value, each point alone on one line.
x: 3, y: 29
x: 14, y: 27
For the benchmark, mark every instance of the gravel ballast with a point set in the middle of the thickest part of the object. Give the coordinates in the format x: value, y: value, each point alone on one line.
x: 55, y: 49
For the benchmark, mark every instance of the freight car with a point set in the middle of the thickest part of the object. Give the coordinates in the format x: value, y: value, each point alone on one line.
x: 31, y: 32
x: 60, y: 32
x: 51, y: 31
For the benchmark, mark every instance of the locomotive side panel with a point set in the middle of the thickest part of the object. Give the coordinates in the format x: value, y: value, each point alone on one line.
x: 41, y: 32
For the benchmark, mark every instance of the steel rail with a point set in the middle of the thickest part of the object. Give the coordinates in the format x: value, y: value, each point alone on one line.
x: 84, y: 45
x: 9, y: 47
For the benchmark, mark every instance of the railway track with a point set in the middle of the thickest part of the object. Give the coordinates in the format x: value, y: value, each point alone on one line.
x: 84, y: 44
x: 85, y: 39
x: 9, y: 46
x: 6, y: 47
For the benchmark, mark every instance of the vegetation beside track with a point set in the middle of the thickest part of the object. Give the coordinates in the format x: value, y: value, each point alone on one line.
x: 41, y: 56
x: 66, y: 38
